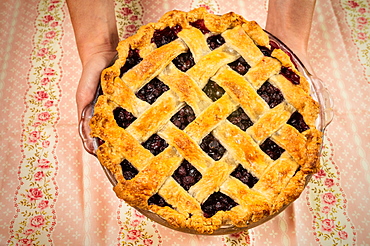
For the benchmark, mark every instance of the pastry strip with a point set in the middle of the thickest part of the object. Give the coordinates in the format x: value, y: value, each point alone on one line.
x: 242, y: 92
x: 243, y: 148
x: 185, y: 88
x: 210, y: 63
x: 152, y: 64
x: 238, y: 40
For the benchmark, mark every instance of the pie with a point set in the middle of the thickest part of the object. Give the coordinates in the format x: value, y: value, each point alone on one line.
x: 205, y: 122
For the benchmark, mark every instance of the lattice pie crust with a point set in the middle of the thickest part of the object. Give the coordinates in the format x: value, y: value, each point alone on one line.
x: 275, y: 154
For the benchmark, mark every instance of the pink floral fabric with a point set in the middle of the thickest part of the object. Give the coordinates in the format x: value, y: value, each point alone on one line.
x: 357, y: 16
x: 54, y: 193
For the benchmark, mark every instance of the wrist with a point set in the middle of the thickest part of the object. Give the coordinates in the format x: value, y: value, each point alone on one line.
x: 106, y: 49
x: 94, y: 25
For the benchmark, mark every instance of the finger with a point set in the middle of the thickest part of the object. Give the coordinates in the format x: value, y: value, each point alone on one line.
x: 90, y: 78
x: 87, y: 88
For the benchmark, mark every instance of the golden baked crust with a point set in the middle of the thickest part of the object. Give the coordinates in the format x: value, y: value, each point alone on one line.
x: 280, y: 180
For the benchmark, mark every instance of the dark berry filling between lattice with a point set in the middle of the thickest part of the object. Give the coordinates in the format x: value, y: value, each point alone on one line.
x: 266, y: 51
x: 240, y: 66
x: 212, y: 147
x: 152, y: 90
x: 166, y: 35
x: 128, y: 170
x: 133, y: 58
x: 155, y: 144
x: 215, y: 41
x: 244, y: 176
x: 240, y: 119
x: 290, y: 75
x: 183, y: 117
x: 273, y: 150
x: 184, y: 61
x: 296, y: 120
x: 156, y: 199
x: 200, y: 25
x: 270, y: 94
x: 123, y: 117
x: 213, y: 90
x: 186, y: 175
x: 217, y: 202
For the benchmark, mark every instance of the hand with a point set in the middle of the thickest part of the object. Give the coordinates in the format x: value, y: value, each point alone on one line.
x: 90, y: 78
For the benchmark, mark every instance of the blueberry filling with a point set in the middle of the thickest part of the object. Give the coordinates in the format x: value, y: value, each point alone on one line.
x: 215, y: 41
x: 156, y: 199
x: 217, y: 202
x: 183, y: 117
x: 296, y: 120
x: 123, y: 117
x: 186, y: 175
x: 128, y: 170
x: 271, y: 149
x: 200, y: 25
x: 212, y: 147
x: 290, y: 75
x: 132, y: 60
x: 166, y: 35
x: 240, y: 66
x: 155, y: 144
x: 270, y: 94
x: 240, y: 119
x: 152, y: 90
x: 184, y: 61
x: 243, y: 175
x: 265, y: 51
x: 213, y: 90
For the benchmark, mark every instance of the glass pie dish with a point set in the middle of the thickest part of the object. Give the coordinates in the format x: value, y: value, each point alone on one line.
x: 318, y: 92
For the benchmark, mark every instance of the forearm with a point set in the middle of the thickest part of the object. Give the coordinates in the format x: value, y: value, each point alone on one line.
x: 290, y: 21
x: 95, y: 29
x: 94, y: 25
